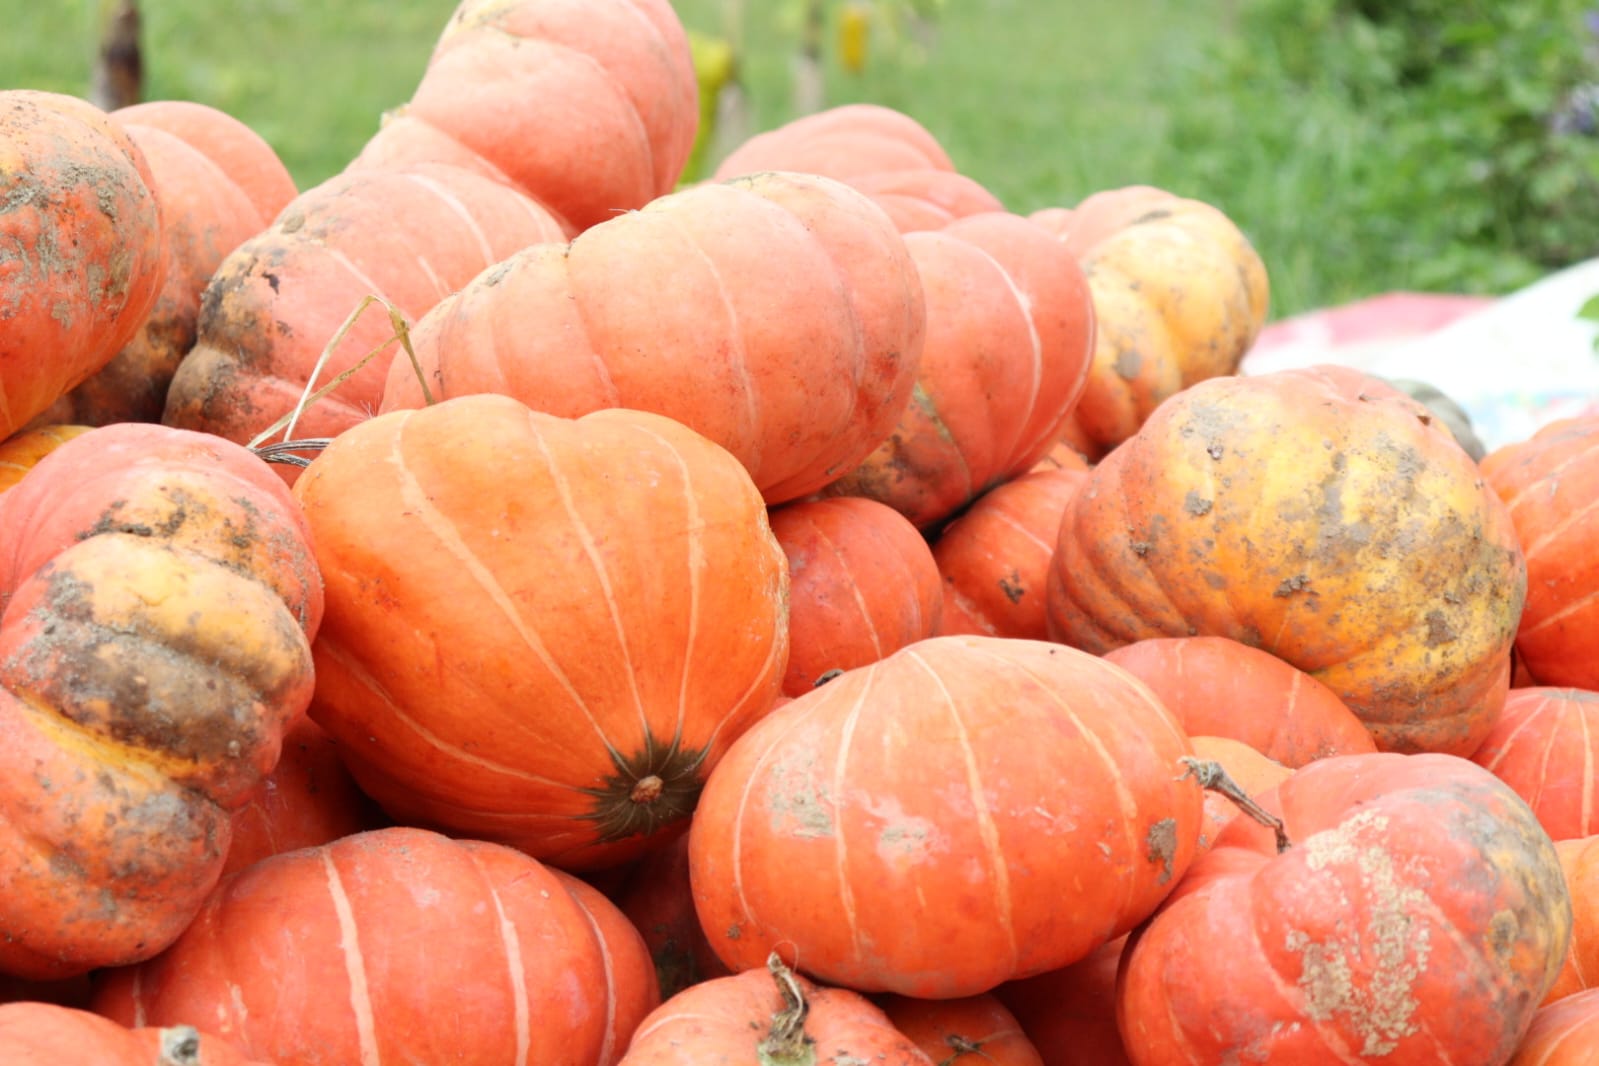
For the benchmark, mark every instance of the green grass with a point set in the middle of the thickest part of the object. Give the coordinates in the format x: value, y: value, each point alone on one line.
x: 1043, y: 101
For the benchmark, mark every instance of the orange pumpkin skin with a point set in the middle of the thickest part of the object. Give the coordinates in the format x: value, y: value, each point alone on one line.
x: 81, y: 258
x: 815, y: 813
x: 844, y: 142
x: 1219, y: 687
x: 1542, y: 746
x: 1548, y: 482
x: 1562, y: 1034
x: 695, y: 307
x: 1317, y: 514
x: 1181, y: 295
x: 1249, y: 770
x: 1417, y: 916
x: 1010, y: 327
x: 565, y: 651
x: 309, y: 798
x: 276, y: 301
x: 994, y: 557
x: 657, y: 899
x: 532, y: 85
x: 926, y: 199
x: 207, y: 211
x: 44, y: 1034
x: 1579, y: 862
x: 20, y: 453
x: 630, y: 980
x: 862, y: 584
x: 412, y: 946
x: 159, y: 595
x: 726, y: 1019
x: 1070, y: 1014
x: 971, y: 1031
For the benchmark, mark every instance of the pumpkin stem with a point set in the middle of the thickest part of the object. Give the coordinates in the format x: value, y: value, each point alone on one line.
x: 787, y: 1044
x: 180, y: 1046
x: 826, y: 676
x: 283, y: 451
x: 962, y: 1047
x: 1213, y: 778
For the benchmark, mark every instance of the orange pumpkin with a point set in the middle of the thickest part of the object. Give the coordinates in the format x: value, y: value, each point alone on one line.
x: 20, y: 453
x: 159, y: 595
x: 1417, y: 916
x: 971, y: 1031
x: 842, y: 142
x: 1249, y: 770
x: 1010, y: 327
x: 395, y: 945
x: 1180, y: 294
x: 541, y: 631
x: 1069, y: 1014
x: 44, y: 1034
x: 1543, y: 746
x: 1579, y: 862
x: 862, y: 584
x: 1319, y: 515
x: 1219, y: 687
x: 656, y: 897
x: 778, y: 315
x: 1549, y: 482
x: 81, y: 256
x: 1562, y: 1034
x: 994, y: 557
x: 530, y: 86
x: 907, y: 826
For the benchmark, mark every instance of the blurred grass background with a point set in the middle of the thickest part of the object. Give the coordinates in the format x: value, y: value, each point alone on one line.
x: 1044, y: 101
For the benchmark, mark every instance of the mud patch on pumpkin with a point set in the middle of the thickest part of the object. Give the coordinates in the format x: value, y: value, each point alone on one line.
x: 1160, y: 845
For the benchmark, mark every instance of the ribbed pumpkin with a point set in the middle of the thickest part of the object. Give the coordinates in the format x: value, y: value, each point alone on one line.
x: 971, y: 1031
x: 1544, y: 746
x: 1317, y: 514
x: 1219, y: 687
x: 841, y: 142
x: 776, y: 1018
x: 588, y: 105
x: 410, y: 236
x: 1417, y: 916
x: 1579, y: 862
x: 81, y: 260
x: 541, y: 631
x: 862, y: 584
x: 994, y: 557
x: 631, y: 987
x: 1010, y: 330
x: 926, y: 199
x: 219, y: 183
x: 907, y: 827
x: 44, y: 1034
x: 20, y: 453
x: 309, y: 798
x: 779, y: 315
x: 1069, y: 1014
x: 1180, y: 294
x: 396, y: 945
x: 1549, y: 483
x: 1562, y: 1034
x: 158, y: 596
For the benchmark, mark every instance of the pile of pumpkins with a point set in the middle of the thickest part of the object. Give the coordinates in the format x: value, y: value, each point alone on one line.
x: 499, y: 606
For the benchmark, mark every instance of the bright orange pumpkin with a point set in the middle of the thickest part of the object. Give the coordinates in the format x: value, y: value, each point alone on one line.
x: 1543, y: 745
x: 971, y: 1031
x: 1579, y: 862
x: 541, y: 631
x: 44, y: 1034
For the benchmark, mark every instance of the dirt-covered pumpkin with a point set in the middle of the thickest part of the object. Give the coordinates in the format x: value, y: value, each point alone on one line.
x: 779, y: 315
x: 1010, y: 329
x: 1180, y: 293
x: 81, y: 260
x: 769, y: 1016
x: 158, y: 597
x: 1319, y: 515
x: 1550, y: 482
x: 540, y: 630
x: 862, y: 584
x: 967, y: 811
x: 588, y: 105
x: 1417, y: 916
x: 397, y: 945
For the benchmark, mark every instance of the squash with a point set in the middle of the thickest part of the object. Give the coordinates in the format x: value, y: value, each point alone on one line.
x: 45, y: 1034
x: 1549, y: 482
x: 159, y: 597
x: 395, y: 945
x: 1317, y: 514
x: 1069, y: 1014
x: 1417, y: 915
x: 971, y: 1031
x: 20, y: 453
x: 1579, y: 862
x: 1562, y: 1034
x: 1543, y: 746
x: 656, y: 897
x: 840, y: 142
x: 81, y: 255
x: 778, y: 315
x: 862, y: 584
x: 541, y: 631
x: 908, y: 827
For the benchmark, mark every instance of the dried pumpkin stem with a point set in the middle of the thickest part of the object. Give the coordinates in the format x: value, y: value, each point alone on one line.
x: 787, y: 1043
x: 961, y: 1048
x: 1213, y: 778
